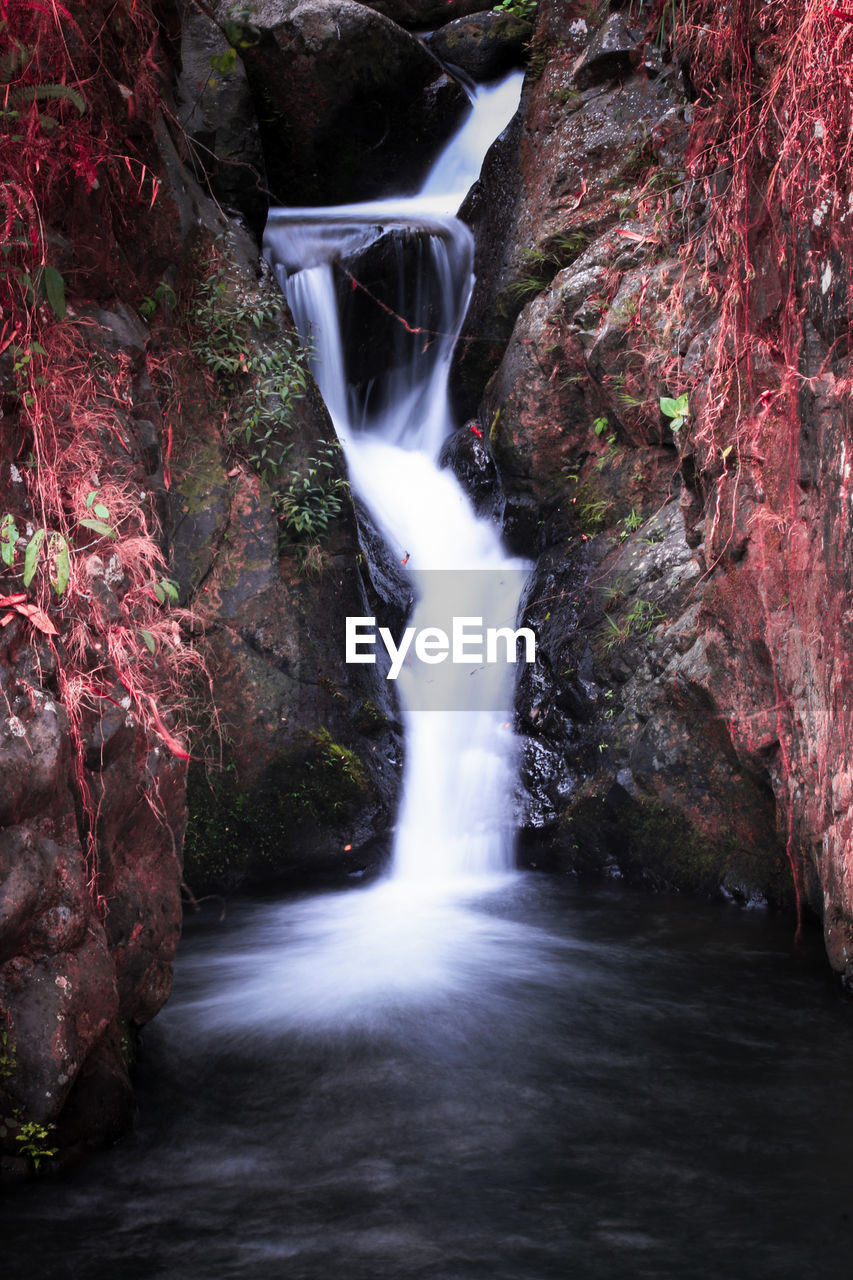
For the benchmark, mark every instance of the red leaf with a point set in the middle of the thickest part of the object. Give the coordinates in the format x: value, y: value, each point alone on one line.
x: 38, y: 618
x: 17, y: 598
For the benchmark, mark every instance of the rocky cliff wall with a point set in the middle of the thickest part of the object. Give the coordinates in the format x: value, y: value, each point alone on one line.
x: 688, y: 718
x: 168, y: 562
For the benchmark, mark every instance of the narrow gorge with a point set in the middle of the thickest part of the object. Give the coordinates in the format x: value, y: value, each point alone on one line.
x: 330, y: 329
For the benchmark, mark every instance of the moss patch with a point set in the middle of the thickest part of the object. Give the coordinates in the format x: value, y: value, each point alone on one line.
x: 656, y: 844
x: 300, y: 801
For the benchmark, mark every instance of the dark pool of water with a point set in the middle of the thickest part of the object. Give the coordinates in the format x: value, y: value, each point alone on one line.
x: 555, y: 1082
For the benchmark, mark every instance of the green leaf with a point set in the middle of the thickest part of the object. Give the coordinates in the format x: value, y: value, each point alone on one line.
x: 150, y: 642
x: 102, y: 512
x: 91, y: 496
x: 159, y: 593
x: 54, y: 287
x: 8, y: 538
x: 724, y: 453
x: 670, y: 407
x: 46, y: 92
x: 61, y: 563
x: 170, y: 587
x: 31, y: 555
x: 98, y: 526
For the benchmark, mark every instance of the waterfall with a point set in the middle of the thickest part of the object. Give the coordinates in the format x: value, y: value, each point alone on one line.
x: 454, y: 820
x: 328, y: 962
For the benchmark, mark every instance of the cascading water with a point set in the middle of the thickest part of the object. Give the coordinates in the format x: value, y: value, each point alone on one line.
x: 460, y: 751
x: 340, y: 958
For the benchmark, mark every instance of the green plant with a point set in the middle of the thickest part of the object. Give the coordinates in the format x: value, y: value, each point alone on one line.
x: 677, y: 411
x: 599, y: 426
x: 262, y: 367
x: 313, y: 496
x: 9, y: 536
x: 59, y: 558
x: 166, y: 589
x: 518, y: 8
x: 526, y: 286
x: 100, y: 514
x: 592, y: 513
x: 8, y: 1056
x: 611, y: 451
x: 630, y: 524
x: 638, y: 621
x: 34, y: 1142
x: 164, y: 297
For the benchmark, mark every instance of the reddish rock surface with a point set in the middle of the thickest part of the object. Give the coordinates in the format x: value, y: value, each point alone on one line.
x: 689, y: 718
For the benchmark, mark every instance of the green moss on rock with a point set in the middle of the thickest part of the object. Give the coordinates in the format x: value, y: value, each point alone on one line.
x: 300, y: 801
x: 653, y: 843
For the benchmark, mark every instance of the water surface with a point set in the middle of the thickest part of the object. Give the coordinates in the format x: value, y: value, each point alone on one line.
x: 552, y: 1082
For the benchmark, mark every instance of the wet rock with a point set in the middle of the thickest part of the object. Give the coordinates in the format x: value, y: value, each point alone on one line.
x: 382, y: 289
x: 214, y: 106
x: 351, y: 106
x: 571, y: 157
x: 389, y: 590
x: 484, y: 46
x: 611, y: 52
x: 57, y: 1007
x: 466, y: 454
x: 424, y: 14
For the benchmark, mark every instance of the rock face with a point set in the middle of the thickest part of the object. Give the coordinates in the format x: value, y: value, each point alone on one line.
x: 687, y: 717
x: 351, y: 106
x: 215, y: 108
x: 304, y: 771
x: 485, y: 45
x: 549, y: 187
x: 88, y: 927
x: 422, y: 15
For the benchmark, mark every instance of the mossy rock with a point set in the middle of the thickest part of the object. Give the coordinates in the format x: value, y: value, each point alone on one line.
x: 293, y: 820
x: 648, y: 842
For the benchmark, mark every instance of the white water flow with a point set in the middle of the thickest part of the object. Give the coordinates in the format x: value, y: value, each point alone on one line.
x: 329, y: 959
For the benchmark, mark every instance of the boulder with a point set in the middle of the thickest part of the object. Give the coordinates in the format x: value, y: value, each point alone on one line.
x: 57, y: 1008
x: 466, y: 454
x: 556, y: 179
x: 214, y: 105
x: 421, y: 15
x: 611, y: 52
x: 484, y: 45
x: 351, y: 106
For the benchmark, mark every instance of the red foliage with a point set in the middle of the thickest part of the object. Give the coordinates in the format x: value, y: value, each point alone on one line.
x: 78, y: 95
x: 769, y: 164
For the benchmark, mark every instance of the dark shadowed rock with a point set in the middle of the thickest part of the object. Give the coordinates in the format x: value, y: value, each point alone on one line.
x: 421, y: 15
x: 214, y: 105
x: 611, y: 52
x: 351, y: 106
x: 310, y: 748
x: 484, y: 45
x: 466, y: 454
